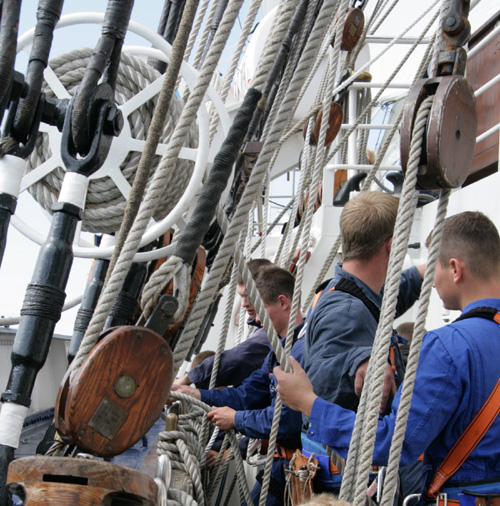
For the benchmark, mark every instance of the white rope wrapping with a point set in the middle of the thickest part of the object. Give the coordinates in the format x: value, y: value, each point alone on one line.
x: 11, y: 174
x: 74, y: 189
x: 363, y: 438
x: 416, y: 342
x: 11, y: 423
x: 105, y: 203
x: 156, y: 190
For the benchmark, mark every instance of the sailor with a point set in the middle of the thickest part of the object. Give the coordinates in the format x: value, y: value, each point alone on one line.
x: 343, y: 320
x: 457, y: 378
x: 239, y: 362
x: 249, y: 408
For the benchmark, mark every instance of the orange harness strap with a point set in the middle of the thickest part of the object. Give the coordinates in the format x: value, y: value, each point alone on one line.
x: 318, y: 295
x: 479, y: 425
x: 467, y: 441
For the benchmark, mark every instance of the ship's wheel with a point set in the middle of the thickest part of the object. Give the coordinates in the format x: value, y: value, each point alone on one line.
x: 118, y: 169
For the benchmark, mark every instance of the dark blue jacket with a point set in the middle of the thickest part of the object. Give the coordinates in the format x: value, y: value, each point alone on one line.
x: 235, y: 364
x: 340, y: 333
x: 254, y: 402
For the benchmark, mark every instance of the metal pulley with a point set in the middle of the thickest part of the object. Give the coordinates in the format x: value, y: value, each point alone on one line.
x: 64, y: 481
x: 450, y: 135
x: 121, y: 387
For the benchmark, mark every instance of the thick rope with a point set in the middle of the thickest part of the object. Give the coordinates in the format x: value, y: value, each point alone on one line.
x: 229, y: 75
x: 227, y: 247
x: 156, y: 190
x: 157, y: 125
x: 211, y: 191
x: 306, y: 222
x: 363, y: 438
x: 232, y: 439
x: 416, y: 342
x: 196, y: 28
x: 105, y: 203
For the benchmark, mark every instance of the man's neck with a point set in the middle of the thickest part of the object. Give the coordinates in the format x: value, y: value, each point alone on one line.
x: 284, y: 326
x: 478, y: 290
x: 371, y: 272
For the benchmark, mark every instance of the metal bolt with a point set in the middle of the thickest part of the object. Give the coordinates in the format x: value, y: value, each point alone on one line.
x: 450, y: 21
x: 125, y: 387
x: 114, y: 121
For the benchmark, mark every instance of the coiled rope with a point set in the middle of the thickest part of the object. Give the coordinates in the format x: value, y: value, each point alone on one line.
x: 105, y: 203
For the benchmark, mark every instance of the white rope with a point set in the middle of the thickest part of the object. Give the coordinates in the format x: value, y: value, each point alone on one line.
x: 416, y: 342
x: 363, y: 438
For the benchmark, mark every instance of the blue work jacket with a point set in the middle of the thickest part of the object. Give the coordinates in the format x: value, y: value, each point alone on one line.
x: 254, y: 402
x: 340, y: 333
x: 458, y: 368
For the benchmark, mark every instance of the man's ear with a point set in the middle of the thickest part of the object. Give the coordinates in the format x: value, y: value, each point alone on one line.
x: 457, y: 269
x: 388, y: 245
x: 284, y: 301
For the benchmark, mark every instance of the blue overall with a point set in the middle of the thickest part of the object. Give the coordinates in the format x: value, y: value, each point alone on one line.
x: 458, y: 368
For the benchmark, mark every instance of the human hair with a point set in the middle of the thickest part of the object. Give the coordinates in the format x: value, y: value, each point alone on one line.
x: 273, y: 281
x: 367, y: 221
x: 473, y: 238
x: 325, y: 500
x: 200, y: 357
x: 253, y: 266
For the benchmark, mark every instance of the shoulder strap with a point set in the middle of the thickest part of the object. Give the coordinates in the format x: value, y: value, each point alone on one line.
x: 476, y: 429
x: 490, y: 313
x: 350, y: 287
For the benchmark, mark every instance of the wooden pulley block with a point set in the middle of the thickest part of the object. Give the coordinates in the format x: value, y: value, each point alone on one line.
x: 353, y: 29
x: 450, y: 135
x: 118, y: 392
x: 334, y: 124
x: 68, y: 481
x: 197, y: 271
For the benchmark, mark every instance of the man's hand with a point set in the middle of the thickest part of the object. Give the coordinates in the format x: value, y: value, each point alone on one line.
x: 222, y: 417
x: 212, y: 456
x: 388, y: 390
x: 295, y: 389
x: 184, y: 389
x: 183, y: 381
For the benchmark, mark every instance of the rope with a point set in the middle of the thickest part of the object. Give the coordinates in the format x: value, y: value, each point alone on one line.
x: 156, y: 129
x: 228, y: 77
x: 232, y: 440
x: 105, y: 204
x: 411, y: 370
x: 210, y: 194
x: 363, y: 437
x: 156, y: 191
